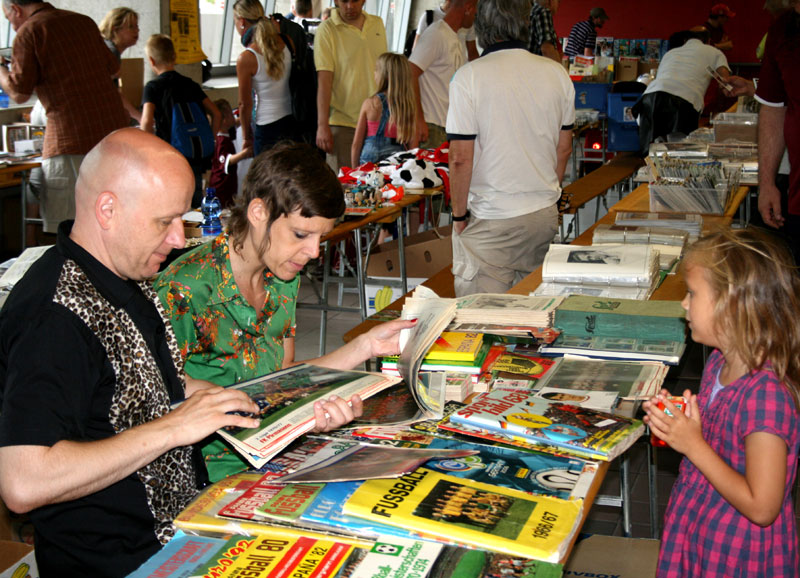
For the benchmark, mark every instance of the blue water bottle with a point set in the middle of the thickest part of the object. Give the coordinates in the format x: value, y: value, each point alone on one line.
x: 211, y: 209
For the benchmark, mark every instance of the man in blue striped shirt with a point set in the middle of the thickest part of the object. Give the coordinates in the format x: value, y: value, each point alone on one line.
x: 583, y: 35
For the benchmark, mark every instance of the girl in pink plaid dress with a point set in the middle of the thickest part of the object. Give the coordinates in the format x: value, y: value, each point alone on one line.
x: 730, y: 512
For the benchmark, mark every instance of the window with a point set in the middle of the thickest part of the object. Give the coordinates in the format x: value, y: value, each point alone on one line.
x: 222, y: 43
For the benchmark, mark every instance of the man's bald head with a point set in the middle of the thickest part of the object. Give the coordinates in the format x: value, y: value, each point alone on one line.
x: 131, y: 191
x: 130, y: 163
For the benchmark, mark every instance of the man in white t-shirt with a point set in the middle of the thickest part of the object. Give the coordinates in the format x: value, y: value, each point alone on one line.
x: 435, y: 59
x: 510, y: 129
x: 673, y: 101
x: 466, y: 35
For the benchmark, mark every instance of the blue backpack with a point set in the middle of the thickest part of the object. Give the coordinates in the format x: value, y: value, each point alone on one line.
x: 191, y: 132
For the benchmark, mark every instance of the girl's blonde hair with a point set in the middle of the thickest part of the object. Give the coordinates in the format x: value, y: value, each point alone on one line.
x: 757, y: 289
x: 394, y: 79
x: 117, y: 18
x: 264, y: 35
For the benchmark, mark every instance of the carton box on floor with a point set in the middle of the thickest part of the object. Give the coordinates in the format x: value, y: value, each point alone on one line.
x: 16, y: 558
x: 425, y: 254
x: 379, y: 295
x: 613, y: 557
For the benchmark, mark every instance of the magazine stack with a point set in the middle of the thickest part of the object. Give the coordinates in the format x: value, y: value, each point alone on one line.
x: 613, y: 270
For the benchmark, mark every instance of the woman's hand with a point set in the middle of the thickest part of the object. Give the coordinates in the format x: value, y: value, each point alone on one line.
x: 335, y: 412
x: 385, y: 338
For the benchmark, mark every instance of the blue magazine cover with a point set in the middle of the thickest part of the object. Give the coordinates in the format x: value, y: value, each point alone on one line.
x: 180, y: 557
x: 326, y: 512
x: 530, y: 472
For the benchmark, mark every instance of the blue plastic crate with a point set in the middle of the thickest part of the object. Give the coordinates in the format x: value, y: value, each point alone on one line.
x: 623, y: 136
x: 591, y: 95
x: 619, y: 106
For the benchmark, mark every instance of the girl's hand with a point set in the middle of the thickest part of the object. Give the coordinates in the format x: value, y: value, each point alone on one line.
x: 335, y: 412
x: 681, y: 431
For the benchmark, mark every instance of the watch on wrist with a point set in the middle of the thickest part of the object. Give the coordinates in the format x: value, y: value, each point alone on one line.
x: 463, y: 217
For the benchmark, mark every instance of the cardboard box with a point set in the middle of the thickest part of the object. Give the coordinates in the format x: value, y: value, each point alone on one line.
x: 627, y: 68
x: 426, y: 254
x: 17, y: 560
x: 645, y: 66
x: 380, y: 295
x: 610, y: 556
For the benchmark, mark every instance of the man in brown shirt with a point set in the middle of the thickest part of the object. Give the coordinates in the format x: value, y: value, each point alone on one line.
x: 61, y: 56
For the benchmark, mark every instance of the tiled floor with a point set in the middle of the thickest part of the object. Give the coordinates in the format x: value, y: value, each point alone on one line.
x: 602, y: 519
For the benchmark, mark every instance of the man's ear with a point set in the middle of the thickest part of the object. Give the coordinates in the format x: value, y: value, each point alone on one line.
x: 106, y: 209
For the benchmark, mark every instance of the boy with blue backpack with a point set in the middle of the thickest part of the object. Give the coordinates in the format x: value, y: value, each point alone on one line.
x: 174, y: 107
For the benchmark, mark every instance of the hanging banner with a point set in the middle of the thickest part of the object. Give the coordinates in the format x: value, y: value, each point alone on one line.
x: 184, y: 25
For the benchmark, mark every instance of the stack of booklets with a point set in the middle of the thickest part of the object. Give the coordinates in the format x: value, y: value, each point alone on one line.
x: 275, y: 555
x: 487, y: 309
x: 503, y: 309
x: 620, y: 328
x: 629, y: 271
x: 691, y: 223
x: 668, y: 242
x: 568, y: 428
x: 453, y: 352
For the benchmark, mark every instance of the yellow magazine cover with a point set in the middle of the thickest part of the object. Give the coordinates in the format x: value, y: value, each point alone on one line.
x: 455, y: 346
x: 270, y: 556
x: 470, y: 513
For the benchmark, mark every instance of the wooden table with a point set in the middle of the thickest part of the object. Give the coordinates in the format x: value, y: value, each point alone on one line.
x: 596, y: 185
x: 17, y: 173
x: 673, y: 288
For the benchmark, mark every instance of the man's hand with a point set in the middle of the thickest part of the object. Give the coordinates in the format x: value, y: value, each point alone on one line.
x: 335, y: 412
x: 422, y: 130
x: 741, y: 86
x: 325, y: 137
x: 459, y: 226
x: 207, y: 410
x: 769, y: 205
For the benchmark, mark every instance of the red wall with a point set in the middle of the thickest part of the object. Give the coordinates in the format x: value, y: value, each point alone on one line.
x: 659, y: 19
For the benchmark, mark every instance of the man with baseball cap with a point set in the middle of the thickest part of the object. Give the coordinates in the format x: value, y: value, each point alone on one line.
x: 717, y: 19
x: 583, y: 35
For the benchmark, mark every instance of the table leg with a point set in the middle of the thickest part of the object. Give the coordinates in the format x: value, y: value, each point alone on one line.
x: 361, y: 274
x: 625, y: 493
x: 323, y: 314
x: 401, y: 254
x: 24, y: 208
x: 652, y: 482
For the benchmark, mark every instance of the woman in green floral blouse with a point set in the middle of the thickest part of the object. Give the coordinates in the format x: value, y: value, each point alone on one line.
x: 232, y: 301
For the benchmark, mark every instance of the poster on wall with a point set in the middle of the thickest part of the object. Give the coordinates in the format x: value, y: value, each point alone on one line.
x: 184, y: 26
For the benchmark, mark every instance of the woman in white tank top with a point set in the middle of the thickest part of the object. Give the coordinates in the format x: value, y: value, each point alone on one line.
x: 263, y: 69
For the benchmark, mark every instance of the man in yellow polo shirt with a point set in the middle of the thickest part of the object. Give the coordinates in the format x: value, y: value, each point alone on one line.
x: 345, y: 50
